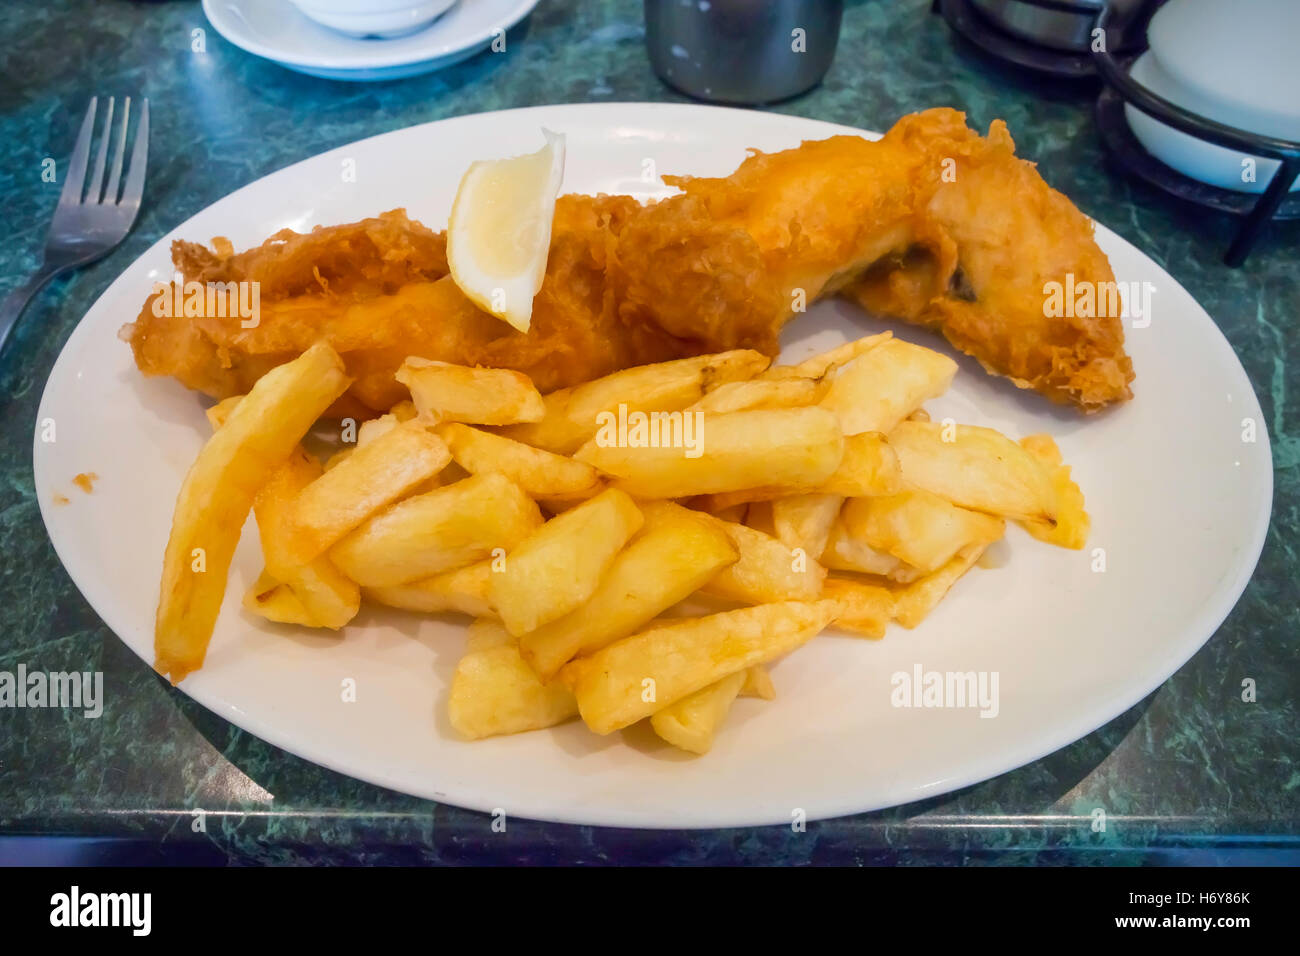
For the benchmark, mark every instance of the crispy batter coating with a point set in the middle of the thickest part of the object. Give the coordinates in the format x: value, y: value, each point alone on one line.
x: 378, y: 291
x: 993, y: 236
x: 932, y: 224
x: 733, y: 258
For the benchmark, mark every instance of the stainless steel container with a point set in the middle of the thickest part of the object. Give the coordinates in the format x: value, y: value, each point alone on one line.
x: 1058, y: 29
x: 742, y: 51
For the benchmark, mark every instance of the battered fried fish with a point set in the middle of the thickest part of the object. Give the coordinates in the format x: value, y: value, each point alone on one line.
x: 378, y: 291
x: 991, y: 238
x: 932, y: 224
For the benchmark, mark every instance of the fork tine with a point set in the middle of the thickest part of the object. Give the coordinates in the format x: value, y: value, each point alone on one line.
x: 134, y: 188
x: 75, y: 176
x: 115, y: 177
x: 101, y: 157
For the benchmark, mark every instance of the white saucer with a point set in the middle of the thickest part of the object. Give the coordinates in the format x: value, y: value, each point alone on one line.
x: 278, y: 31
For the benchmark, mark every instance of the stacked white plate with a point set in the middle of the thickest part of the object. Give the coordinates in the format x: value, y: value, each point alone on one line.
x: 280, y: 32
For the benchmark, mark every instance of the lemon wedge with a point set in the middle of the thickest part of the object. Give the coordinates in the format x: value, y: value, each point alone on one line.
x: 499, y: 232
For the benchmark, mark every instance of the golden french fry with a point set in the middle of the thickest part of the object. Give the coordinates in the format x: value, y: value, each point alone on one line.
x: 404, y: 410
x: 330, y: 597
x: 495, y: 692
x: 573, y: 415
x: 340, y: 456
x: 443, y: 529
x: 913, y: 603
x: 868, y: 467
x: 919, y: 528
x: 805, y: 521
x: 691, y: 722
x: 977, y: 468
x: 219, y: 412
x: 372, y: 429
x: 674, y: 554
x: 541, y: 473
x: 818, y: 366
x: 862, y: 608
x: 639, y: 675
x: 1043, y: 447
x: 559, y: 565
x: 1072, y: 521
x: 218, y: 493
x: 881, y: 387
x: 797, y: 447
x: 758, y: 683
x: 276, y: 602
x: 486, y: 633
x: 766, y: 571
x: 467, y: 590
x: 760, y: 393
x: 478, y: 396
x: 379, y: 472
x: 846, y: 551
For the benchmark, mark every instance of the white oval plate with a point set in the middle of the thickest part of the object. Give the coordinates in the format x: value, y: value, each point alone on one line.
x: 280, y: 32
x: 1179, y: 503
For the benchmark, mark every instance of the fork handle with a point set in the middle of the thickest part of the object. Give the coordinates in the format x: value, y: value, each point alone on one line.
x: 17, y: 300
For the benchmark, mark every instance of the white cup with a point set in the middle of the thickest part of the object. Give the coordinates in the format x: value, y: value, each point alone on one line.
x: 374, y: 18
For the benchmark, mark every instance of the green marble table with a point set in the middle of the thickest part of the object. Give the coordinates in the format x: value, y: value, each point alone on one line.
x: 1192, y: 773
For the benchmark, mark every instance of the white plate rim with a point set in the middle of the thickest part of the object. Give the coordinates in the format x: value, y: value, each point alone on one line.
x: 1066, y: 732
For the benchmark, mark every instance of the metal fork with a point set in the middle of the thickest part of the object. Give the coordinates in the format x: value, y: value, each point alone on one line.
x: 84, y: 230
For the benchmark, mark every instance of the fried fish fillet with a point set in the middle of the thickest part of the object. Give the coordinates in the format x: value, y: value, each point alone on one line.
x: 932, y: 224
x: 992, y: 237
x: 734, y: 258
x: 379, y: 291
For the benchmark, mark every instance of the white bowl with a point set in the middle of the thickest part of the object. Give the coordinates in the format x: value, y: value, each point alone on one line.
x: 374, y: 18
x: 1232, y: 63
